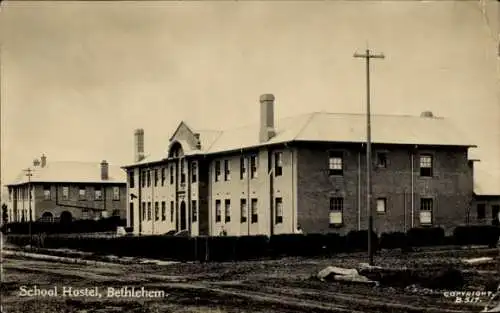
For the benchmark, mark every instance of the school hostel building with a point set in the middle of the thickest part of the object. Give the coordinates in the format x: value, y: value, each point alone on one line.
x: 307, y: 171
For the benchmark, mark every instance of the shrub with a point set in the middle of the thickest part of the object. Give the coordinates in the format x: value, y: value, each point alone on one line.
x: 476, y: 235
x: 357, y: 240
x: 425, y: 236
x: 287, y: 245
x: 394, y: 240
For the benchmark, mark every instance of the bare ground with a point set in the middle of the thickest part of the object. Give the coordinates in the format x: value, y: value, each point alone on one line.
x: 285, y: 285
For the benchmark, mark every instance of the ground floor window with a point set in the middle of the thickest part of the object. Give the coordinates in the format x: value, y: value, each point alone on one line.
x: 426, y: 209
x: 336, y: 211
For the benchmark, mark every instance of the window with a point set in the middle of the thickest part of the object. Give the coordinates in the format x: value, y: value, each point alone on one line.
x: 144, y: 216
x: 381, y: 205
x: 255, y: 212
x: 253, y: 166
x: 426, y: 207
x: 98, y: 193
x: 227, y: 210
x: 381, y: 160
x: 46, y: 192
x: 243, y: 210
x: 227, y: 170
x: 336, y: 211
x: 156, y: 177
x: 172, y: 211
x: 65, y: 193
x: 217, y: 211
x: 163, y: 211
x: 194, y: 211
x: 278, y: 206
x: 163, y: 176
x: 171, y: 174
x: 183, y: 174
x: 243, y: 169
x: 426, y: 165
x: 217, y: 170
x: 481, y: 211
x: 194, y: 172
x: 335, y: 163
x: 148, y: 175
x: 131, y: 181
x: 81, y: 193
x: 149, y: 211
x: 86, y: 214
x: 278, y: 164
x: 157, y: 211
x: 116, y: 193
x: 142, y: 177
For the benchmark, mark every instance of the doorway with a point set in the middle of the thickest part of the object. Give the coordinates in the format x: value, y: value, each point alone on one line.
x: 183, y: 216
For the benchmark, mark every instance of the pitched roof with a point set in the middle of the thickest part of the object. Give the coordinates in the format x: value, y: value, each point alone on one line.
x: 486, y: 180
x: 71, y: 171
x: 331, y: 127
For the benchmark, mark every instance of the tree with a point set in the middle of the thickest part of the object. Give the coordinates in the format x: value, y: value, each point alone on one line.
x: 5, y: 214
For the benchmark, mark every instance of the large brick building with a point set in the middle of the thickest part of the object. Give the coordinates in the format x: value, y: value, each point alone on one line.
x: 65, y: 191
x: 305, y: 171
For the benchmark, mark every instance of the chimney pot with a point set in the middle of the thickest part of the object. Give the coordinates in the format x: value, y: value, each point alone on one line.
x: 36, y: 162
x: 104, y: 170
x: 267, y: 130
x: 43, y: 160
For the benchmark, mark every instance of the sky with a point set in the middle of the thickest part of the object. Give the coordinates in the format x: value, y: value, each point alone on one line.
x: 78, y: 77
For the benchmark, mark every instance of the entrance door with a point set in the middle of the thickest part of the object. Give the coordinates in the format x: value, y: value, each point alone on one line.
x: 183, y: 215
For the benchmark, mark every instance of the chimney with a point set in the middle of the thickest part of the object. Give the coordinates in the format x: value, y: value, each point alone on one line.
x: 198, y: 142
x: 104, y: 170
x: 426, y: 114
x: 36, y: 162
x: 43, y: 160
x: 266, y: 117
x: 139, y: 144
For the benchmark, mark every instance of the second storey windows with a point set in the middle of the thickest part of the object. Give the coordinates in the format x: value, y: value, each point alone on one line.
x: 335, y: 163
x: 426, y: 164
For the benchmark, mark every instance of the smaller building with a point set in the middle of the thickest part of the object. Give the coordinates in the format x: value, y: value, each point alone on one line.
x: 67, y: 191
x: 486, y: 195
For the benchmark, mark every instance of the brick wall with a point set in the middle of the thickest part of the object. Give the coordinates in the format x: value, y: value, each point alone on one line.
x: 450, y: 187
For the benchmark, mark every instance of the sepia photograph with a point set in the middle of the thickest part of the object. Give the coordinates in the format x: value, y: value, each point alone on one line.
x: 250, y: 156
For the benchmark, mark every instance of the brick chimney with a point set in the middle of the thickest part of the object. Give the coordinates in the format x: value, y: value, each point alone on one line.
x: 427, y: 114
x: 43, y: 160
x: 266, y: 117
x: 104, y: 170
x: 139, y: 144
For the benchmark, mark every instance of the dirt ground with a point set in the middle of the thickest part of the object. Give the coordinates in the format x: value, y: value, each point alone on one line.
x: 284, y: 285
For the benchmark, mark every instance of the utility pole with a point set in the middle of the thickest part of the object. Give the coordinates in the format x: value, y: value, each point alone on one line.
x: 29, y: 173
x: 367, y: 56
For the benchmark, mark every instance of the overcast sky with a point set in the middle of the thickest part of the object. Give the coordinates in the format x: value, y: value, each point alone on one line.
x: 79, y: 77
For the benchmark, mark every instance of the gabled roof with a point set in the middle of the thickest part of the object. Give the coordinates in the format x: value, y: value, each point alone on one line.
x: 334, y: 127
x: 71, y: 172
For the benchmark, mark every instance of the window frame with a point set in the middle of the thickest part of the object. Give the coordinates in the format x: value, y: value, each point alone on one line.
x: 278, y: 163
x: 227, y: 210
x: 218, y: 213
x: 335, y: 155
x: 243, y: 210
x: 426, y: 171
x: 278, y: 210
x: 337, y: 205
x: 426, y: 208
x: 384, y: 201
